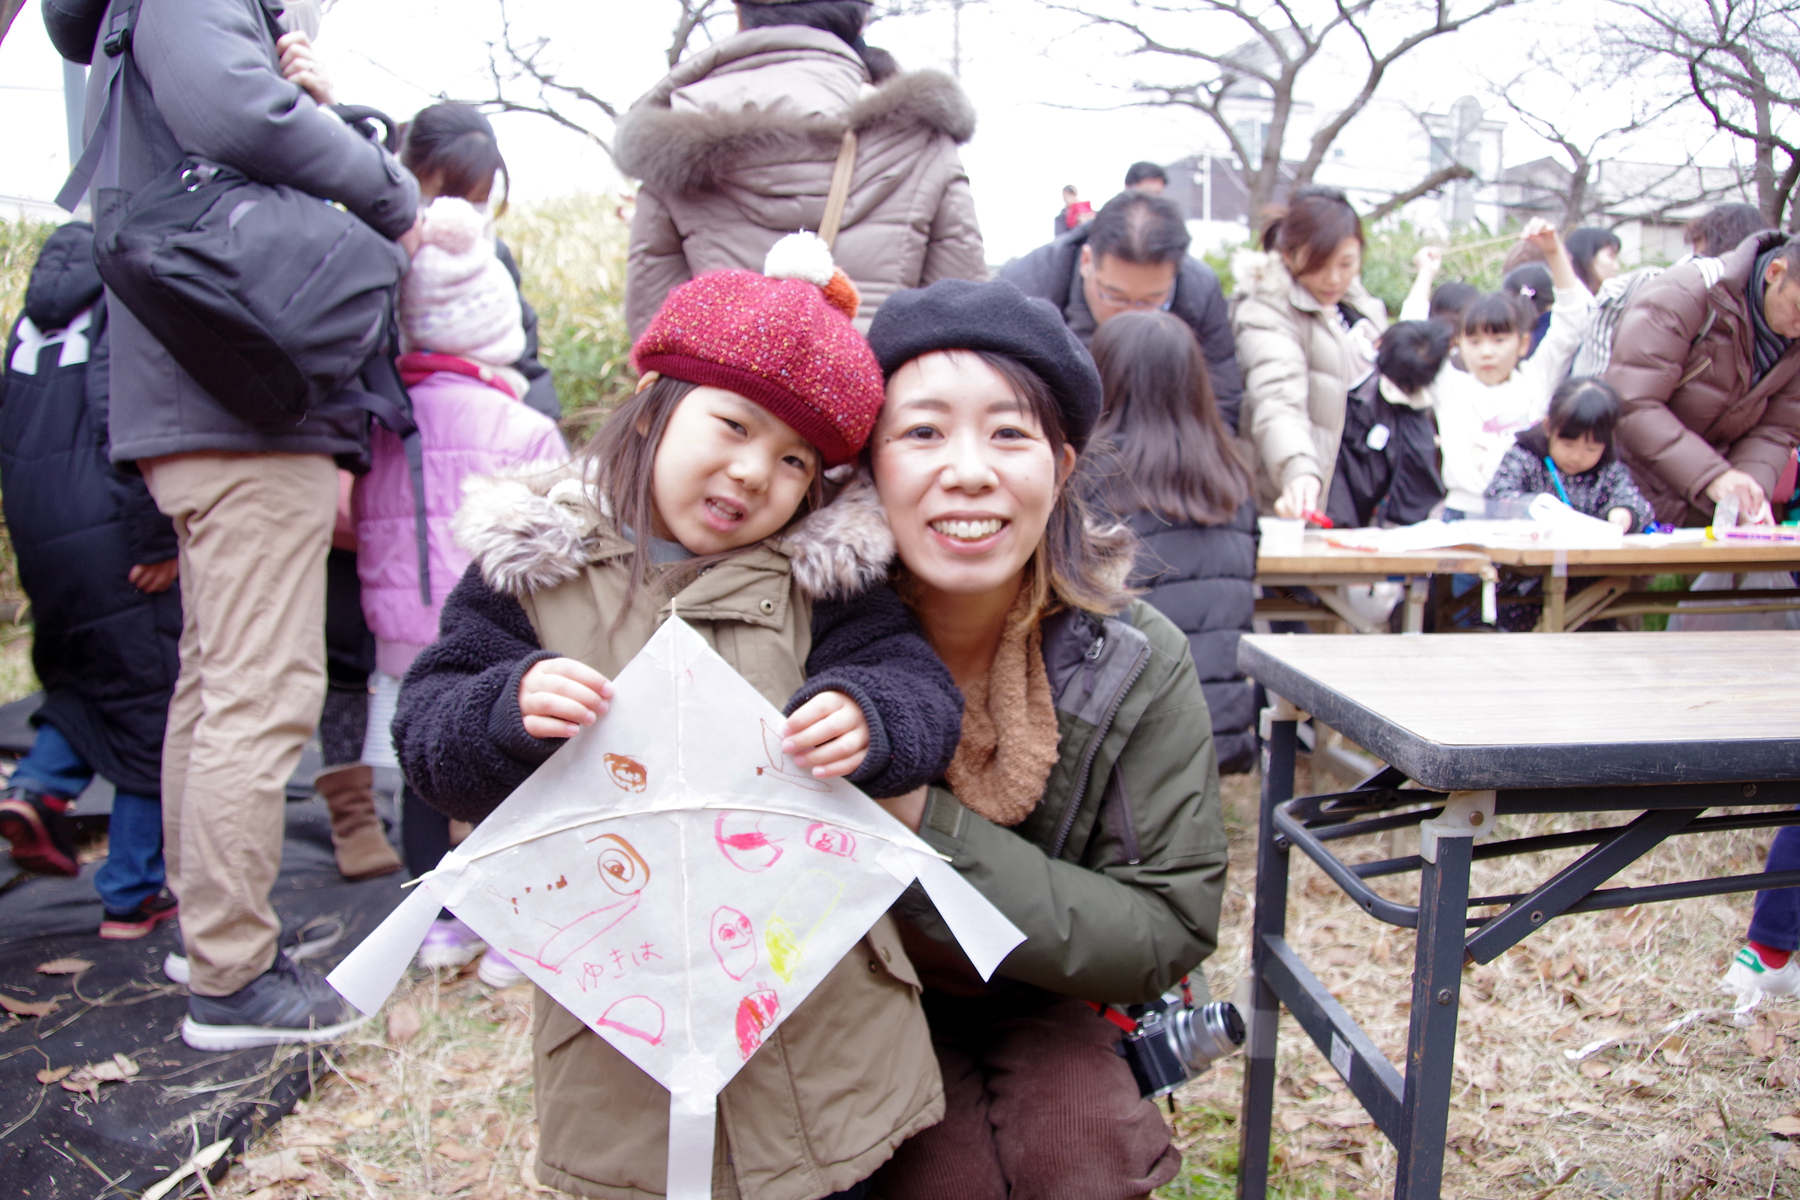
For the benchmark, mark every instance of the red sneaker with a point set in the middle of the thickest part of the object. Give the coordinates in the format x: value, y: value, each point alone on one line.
x: 32, y: 822
x: 124, y: 927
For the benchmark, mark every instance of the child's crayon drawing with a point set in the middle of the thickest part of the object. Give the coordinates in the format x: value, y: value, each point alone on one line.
x: 755, y: 1013
x: 829, y: 839
x: 622, y: 868
x: 638, y: 1016
x: 625, y: 872
x: 744, y: 844
x: 628, y: 773
x: 798, y: 914
x: 734, y: 941
x: 779, y: 767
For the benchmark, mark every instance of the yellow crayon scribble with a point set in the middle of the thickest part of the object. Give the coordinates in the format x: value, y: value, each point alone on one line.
x: 798, y: 914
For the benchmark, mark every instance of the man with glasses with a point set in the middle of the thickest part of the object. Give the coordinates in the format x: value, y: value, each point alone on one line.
x: 1134, y: 255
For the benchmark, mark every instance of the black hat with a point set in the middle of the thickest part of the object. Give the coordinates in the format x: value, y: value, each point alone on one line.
x: 955, y: 314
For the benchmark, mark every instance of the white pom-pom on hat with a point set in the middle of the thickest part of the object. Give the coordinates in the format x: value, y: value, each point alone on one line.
x: 452, y: 223
x: 800, y: 255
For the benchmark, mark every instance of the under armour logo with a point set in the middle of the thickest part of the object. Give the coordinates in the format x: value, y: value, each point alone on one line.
x: 72, y: 338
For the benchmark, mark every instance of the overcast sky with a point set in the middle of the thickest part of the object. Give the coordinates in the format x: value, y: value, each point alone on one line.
x: 1020, y: 62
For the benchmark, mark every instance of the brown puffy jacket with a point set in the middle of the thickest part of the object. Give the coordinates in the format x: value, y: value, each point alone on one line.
x: 736, y: 148
x: 1681, y: 363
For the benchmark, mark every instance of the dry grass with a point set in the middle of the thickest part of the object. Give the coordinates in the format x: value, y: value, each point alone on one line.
x: 448, y: 1111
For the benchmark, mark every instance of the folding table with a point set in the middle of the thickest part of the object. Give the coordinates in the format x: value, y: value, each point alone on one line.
x: 1657, y: 727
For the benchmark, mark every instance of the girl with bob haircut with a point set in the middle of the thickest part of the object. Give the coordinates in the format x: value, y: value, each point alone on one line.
x: 1595, y: 253
x: 1086, y: 779
x: 1166, y: 466
x: 1306, y: 332
x: 695, y: 498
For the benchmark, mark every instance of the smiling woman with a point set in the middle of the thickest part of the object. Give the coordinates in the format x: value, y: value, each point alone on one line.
x: 1083, y: 799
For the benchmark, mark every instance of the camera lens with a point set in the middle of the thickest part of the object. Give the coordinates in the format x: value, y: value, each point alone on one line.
x: 1204, y: 1035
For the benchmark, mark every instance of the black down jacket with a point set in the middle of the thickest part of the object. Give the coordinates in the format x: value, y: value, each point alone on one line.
x: 1202, y: 577
x: 105, y: 652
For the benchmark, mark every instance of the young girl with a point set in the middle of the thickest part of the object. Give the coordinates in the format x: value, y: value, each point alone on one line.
x: 1569, y: 455
x: 690, y: 502
x: 1177, y: 479
x: 460, y: 326
x: 1500, y: 392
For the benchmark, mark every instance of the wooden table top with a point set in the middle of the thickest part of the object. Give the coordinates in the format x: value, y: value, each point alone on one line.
x: 1636, y: 558
x: 1463, y: 711
x: 1319, y: 557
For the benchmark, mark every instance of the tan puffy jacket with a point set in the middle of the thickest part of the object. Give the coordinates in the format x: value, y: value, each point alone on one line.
x: 736, y: 148
x: 851, y: 1074
x: 1681, y: 362
x: 1299, y: 365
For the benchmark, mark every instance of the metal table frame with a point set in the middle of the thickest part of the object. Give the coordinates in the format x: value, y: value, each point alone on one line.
x: 1412, y: 1108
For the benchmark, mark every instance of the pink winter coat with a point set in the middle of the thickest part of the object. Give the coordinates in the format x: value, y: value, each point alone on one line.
x: 467, y: 427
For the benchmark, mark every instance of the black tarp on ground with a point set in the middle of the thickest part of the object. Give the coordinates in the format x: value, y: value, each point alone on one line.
x: 55, y: 1143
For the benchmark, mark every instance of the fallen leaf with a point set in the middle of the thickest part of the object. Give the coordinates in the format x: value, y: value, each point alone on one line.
x: 1761, y: 1041
x: 1487, y: 1081
x: 47, y: 1075
x: 456, y: 1152
x: 195, y: 1165
x: 278, y: 1167
x: 117, y: 1069
x: 1348, y: 1118
x: 27, y: 1008
x: 360, y: 1120
x: 1293, y: 1122
x: 1787, y: 1127
x: 1613, y: 1007
x: 64, y: 966
x: 404, y: 1023
x: 1595, y: 1070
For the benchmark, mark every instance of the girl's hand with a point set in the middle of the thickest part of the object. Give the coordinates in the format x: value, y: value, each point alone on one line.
x: 1621, y: 517
x: 1541, y: 234
x: 1428, y: 261
x: 1297, y: 497
x: 558, y: 696
x: 828, y: 733
x: 298, y: 66
x: 151, y: 578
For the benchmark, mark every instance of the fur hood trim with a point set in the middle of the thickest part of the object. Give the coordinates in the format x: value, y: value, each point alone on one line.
x: 682, y: 152
x: 1262, y: 274
x: 529, y: 531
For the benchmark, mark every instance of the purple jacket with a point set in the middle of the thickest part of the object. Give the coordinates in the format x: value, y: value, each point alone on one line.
x: 468, y: 428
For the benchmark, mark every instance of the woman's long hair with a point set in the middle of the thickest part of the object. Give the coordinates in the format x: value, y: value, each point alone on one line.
x: 456, y: 143
x: 1169, y: 452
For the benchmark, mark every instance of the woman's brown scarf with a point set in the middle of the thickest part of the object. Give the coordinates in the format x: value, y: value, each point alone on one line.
x: 1009, y: 734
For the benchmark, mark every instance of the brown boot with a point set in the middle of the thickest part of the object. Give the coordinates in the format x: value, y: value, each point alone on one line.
x: 362, y: 847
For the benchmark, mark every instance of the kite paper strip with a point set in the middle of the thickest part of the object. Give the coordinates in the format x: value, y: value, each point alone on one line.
x: 679, y: 884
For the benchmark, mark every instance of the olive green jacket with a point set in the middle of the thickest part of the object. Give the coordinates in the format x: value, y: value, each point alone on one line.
x: 1116, y: 877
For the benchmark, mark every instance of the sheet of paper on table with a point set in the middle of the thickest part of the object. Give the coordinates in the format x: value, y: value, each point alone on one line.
x: 677, y: 883
x: 1552, y: 525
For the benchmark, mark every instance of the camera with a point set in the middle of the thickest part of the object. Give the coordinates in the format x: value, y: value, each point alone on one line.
x: 1170, y: 1040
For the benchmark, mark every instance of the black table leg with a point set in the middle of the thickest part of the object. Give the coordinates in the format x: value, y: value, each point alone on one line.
x: 1431, y: 1040
x: 1270, y: 920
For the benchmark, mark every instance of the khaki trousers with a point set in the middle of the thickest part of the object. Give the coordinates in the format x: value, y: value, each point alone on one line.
x: 253, y: 531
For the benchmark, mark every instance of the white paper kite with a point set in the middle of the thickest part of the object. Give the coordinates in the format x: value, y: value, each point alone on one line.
x: 676, y: 882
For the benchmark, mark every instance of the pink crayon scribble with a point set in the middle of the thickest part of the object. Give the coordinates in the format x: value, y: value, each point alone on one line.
x: 638, y: 1016
x: 744, y: 844
x: 734, y: 942
x: 755, y: 1014
x: 829, y: 839
x: 624, y: 871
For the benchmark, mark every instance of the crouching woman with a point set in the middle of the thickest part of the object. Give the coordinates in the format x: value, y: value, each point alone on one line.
x: 1083, y: 800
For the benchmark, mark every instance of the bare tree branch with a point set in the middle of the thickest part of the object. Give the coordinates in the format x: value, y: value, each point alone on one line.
x: 694, y: 16
x: 1431, y: 183
x: 510, y: 63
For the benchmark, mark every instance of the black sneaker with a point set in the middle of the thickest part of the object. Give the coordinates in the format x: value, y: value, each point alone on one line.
x: 309, y: 941
x: 140, y: 921
x: 286, y: 1003
x: 33, y: 823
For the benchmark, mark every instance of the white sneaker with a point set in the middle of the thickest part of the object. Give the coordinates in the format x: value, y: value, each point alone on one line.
x: 1748, y: 974
x: 309, y: 941
x: 497, y: 971
x: 449, y: 944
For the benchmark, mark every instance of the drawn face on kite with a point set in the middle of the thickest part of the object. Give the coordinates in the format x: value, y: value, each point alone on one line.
x: 734, y: 942
x: 829, y: 839
x: 628, y: 773
x: 743, y: 843
x: 622, y: 868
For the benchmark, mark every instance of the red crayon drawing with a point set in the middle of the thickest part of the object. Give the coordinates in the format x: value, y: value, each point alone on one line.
x: 639, y: 1016
x: 743, y: 843
x: 624, y: 871
x: 829, y: 839
x: 734, y: 941
x: 755, y: 1014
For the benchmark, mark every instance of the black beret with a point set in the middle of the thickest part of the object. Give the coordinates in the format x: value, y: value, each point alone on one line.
x: 955, y: 314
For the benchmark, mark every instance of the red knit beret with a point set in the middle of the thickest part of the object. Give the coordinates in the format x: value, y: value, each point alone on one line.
x: 779, y: 342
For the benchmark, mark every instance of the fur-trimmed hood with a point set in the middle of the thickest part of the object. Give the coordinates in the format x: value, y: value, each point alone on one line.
x: 528, y: 533
x: 1262, y: 274
x: 779, y: 94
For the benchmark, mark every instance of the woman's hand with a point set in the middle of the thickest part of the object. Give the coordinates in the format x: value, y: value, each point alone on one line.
x: 1753, y: 504
x: 151, y: 578
x: 907, y: 808
x: 1542, y: 234
x: 829, y: 733
x: 558, y: 696
x: 1428, y: 261
x: 298, y: 66
x: 1621, y: 517
x: 1298, y: 497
